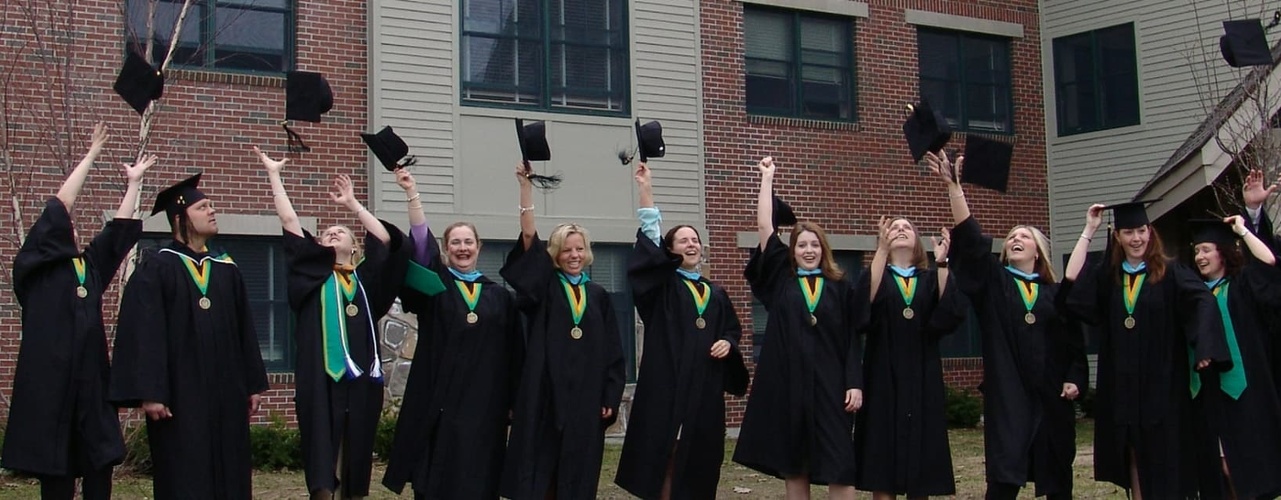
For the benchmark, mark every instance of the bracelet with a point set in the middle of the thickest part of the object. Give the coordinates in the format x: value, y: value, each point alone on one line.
x: 412, y: 198
x: 958, y: 195
x: 273, y: 195
x: 362, y: 209
x: 526, y: 209
x: 1087, y: 238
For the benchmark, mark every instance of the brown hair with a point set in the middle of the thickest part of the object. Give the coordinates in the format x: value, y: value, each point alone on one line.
x: 1233, y: 258
x: 1154, y: 257
x: 669, y: 239
x: 920, y: 259
x: 1044, y: 264
x: 827, y: 263
x: 444, y: 238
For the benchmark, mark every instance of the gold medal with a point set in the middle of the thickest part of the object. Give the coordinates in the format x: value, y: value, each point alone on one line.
x: 205, y: 303
x: 813, y: 320
x: 1029, y: 318
x: 352, y: 310
x: 472, y: 318
x: 1129, y: 322
x: 82, y: 292
x: 908, y: 313
x: 700, y: 323
x: 576, y: 333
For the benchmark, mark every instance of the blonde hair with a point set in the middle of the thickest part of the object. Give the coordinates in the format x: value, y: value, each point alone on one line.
x: 359, y: 250
x: 562, y: 233
x: 828, y: 264
x: 1044, y: 264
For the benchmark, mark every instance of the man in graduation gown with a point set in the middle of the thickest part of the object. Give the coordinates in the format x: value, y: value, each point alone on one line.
x: 186, y: 352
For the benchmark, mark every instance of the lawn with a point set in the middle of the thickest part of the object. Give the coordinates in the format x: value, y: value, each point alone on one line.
x: 967, y: 458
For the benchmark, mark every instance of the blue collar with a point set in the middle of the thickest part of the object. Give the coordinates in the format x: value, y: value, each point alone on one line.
x: 575, y: 280
x: 1125, y: 266
x: 811, y: 272
x: 690, y: 275
x: 906, y: 272
x: 471, y: 276
x: 1215, y: 284
x: 1027, y: 276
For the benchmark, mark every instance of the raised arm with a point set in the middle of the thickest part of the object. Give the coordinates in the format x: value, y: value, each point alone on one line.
x: 1254, y: 194
x: 1093, y: 219
x: 344, y: 195
x: 527, y: 226
x: 284, y: 207
x: 941, y: 244
x: 944, y: 169
x: 877, y: 270
x: 133, y: 174
x: 415, y: 205
x: 1257, y: 247
x: 644, y: 185
x: 765, y: 201
x: 71, y: 187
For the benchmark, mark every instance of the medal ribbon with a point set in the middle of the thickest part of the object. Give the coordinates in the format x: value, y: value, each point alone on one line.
x: 1029, y: 290
x: 812, y: 295
x: 471, y: 297
x: 79, y: 264
x: 1133, y: 285
x: 702, y: 295
x: 199, y: 275
x: 347, y: 282
x: 577, y: 303
x: 906, y: 288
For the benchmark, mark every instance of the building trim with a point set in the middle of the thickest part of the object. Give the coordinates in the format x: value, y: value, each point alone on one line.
x: 963, y: 23
x: 838, y: 7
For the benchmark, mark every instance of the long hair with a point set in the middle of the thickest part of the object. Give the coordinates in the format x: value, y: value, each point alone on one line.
x: 830, y: 269
x: 358, y: 250
x: 920, y: 259
x: 1044, y: 264
x: 557, y: 240
x: 1232, y: 256
x: 444, y: 238
x: 1154, y: 257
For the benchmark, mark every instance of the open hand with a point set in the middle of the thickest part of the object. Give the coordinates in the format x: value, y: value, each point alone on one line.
x: 941, y: 244
x: 100, y: 136
x: 134, y: 172
x: 345, y: 194
x: 272, y: 166
x: 944, y: 168
x: 1253, y: 193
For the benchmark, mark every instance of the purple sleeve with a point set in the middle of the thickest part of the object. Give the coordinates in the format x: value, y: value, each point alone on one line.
x: 421, y: 234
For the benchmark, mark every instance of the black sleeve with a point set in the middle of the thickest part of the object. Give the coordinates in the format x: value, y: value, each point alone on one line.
x: 1263, y: 283
x: 517, y: 342
x: 1084, y: 298
x: 250, y: 353
x: 309, y: 265
x: 48, y: 241
x: 952, y: 308
x: 649, y: 267
x: 1199, y: 317
x: 736, y: 377
x: 970, y: 259
x: 1264, y: 231
x: 615, y: 365
x: 529, y: 272
x: 110, y: 247
x: 858, y: 308
x: 140, y: 360
x: 766, y: 270
x: 382, y: 273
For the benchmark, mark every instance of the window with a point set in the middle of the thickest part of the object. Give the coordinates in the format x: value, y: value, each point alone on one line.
x: 235, y: 35
x: 851, y: 261
x: 262, y: 265
x: 1096, y: 83
x: 967, y: 77
x: 799, y: 65
x: 546, y: 54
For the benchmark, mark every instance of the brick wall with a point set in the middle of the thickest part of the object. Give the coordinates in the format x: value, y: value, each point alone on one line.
x: 845, y: 177
x: 208, y: 122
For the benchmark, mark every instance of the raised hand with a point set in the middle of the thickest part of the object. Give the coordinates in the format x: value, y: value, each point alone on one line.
x: 642, y: 174
x: 522, y: 175
x: 101, y: 135
x: 766, y: 167
x: 883, y: 235
x: 1253, y: 193
x: 345, y: 192
x: 943, y: 167
x: 272, y: 166
x: 405, y: 180
x: 1094, y: 217
x: 134, y: 172
x: 941, y: 244
x: 1238, y: 224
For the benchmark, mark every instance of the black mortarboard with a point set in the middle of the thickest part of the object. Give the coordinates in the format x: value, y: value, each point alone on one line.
x: 139, y: 83
x: 1131, y: 214
x: 1212, y: 231
x: 532, y: 137
x: 307, y: 96
x: 649, y: 140
x: 987, y: 162
x: 176, y: 198
x: 389, y: 148
x: 783, y: 214
x: 1245, y: 43
x: 926, y: 130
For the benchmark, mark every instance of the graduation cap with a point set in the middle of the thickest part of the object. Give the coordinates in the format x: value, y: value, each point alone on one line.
x: 926, y: 130
x: 175, y: 199
x: 532, y: 138
x: 1245, y: 43
x: 307, y: 96
x: 987, y: 162
x: 139, y: 83
x: 1212, y: 231
x: 783, y: 214
x: 649, y: 140
x: 1131, y: 214
x: 389, y: 148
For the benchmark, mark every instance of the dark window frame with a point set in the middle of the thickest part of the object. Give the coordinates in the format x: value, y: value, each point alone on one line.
x: 797, y: 64
x: 962, y: 122
x: 1096, y: 81
x: 207, y: 47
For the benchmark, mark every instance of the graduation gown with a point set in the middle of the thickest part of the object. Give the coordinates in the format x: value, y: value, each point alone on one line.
x: 557, y: 432
x: 680, y: 388
x: 1142, y: 399
x: 1249, y: 427
x: 60, y: 423
x: 201, y: 363
x: 1029, y: 431
x: 901, y: 432
x: 451, y: 434
x: 346, y: 412
x: 795, y: 422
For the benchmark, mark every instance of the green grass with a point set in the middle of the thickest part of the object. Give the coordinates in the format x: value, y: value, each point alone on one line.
x: 967, y: 461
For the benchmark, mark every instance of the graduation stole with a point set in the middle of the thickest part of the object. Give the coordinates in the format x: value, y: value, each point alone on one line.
x: 1029, y: 291
x: 471, y: 297
x: 338, y: 291
x: 907, y: 289
x: 1232, y: 382
x: 200, y: 275
x: 78, y: 263
x: 1131, y: 285
x: 577, y: 295
x: 812, y: 294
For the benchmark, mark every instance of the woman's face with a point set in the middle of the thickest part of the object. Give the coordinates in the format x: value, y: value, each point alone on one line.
x: 572, y: 253
x: 462, y: 249
x: 808, y: 253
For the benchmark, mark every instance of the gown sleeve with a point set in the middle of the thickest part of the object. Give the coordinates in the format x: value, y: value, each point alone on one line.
x: 615, y: 365
x: 649, y: 267
x: 140, y: 361
x: 255, y: 376
x: 110, y: 247
x: 382, y: 273
x: 736, y: 377
x: 766, y: 270
x: 970, y: 259
x: 1263, y: 283
x: 1199, y: 315
x: 310, y: 265
x: 49, y: 240
x: 952, y: 308
x: 859, y: 309
x: 529, y: 272
x: 1084, y: 297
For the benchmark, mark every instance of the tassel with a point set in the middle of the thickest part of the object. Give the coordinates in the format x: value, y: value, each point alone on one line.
x: 295, y: 143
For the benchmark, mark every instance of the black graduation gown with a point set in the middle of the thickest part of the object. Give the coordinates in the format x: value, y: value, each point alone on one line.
x: 1029, y: 431
x: 795, y: 422
x: 680, y: 389
x: 202, y: 363
x: 1142, y: 399
x: 343, y: 413
x: 901, y: 432
x: 60, y: 423
x: 1250, y: 426
x: 557, y: 432
x: 451, y: 434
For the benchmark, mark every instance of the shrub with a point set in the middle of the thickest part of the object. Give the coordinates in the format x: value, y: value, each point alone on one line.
x: 275, y: 446
x: 963, y: 409
x: 386, y: 430
x: 137, y: 449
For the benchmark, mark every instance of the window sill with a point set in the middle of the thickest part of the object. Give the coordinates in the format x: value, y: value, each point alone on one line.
x: 224, y: 77
x: 808, y: 123
x: 280, y: 378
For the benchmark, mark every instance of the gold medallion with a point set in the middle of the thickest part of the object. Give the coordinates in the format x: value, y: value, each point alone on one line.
x: 352, y: 310
x: 82, y: 292
x: 205, y: 303
x: 700, y: 323
x: 1029, y: 318
x: 813, y: 320
x: 472, y: 318
x: 908, y: 313
x: 576, y: 333
x: 1129, y: 322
